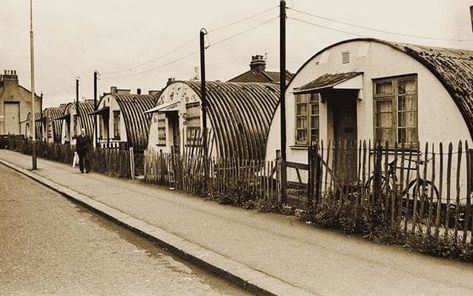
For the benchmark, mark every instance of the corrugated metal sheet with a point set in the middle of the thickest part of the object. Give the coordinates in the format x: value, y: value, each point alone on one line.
x: 240, y: 115
x: 50, y: 114
x: 137, y: 123
x: 87, y: 121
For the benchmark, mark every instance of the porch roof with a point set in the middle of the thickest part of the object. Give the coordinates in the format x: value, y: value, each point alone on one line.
x: 328, y: 81
x: 100, y: 111
x: 166, y: 107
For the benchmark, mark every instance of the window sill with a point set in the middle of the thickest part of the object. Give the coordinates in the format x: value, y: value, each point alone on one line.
x: 299, y: 147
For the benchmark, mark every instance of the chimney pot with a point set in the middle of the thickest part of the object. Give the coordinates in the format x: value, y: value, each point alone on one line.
x: 170, y: 80
x: 138, y: 91
x: 258, y: 64
x: 113, y: 90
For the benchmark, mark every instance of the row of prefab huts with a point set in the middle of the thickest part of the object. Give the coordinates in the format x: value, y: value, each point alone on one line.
x: 360, y: 89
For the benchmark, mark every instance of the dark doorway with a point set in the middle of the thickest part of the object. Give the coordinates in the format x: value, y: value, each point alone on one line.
x: 173, y: 119
x: 342, y: 107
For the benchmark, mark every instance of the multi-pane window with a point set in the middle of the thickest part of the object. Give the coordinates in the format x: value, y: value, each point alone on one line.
x: 307, y: 118
x: 116, y: 124
x: 160, y: 118
x: 395, y: 102
x: 192, y: 122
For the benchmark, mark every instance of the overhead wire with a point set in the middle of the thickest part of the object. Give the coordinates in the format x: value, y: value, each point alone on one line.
x: 186, y: 44
x: 327, y: 28
x: 374, y: 29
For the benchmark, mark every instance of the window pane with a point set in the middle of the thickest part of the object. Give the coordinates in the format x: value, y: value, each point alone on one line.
x: 384, y: 88
x: 406, y: 103
x: 314, y: 122
x: 314, y: 109
x: 406, y: 86
x: 384, y: 135
x: 302, y: 135
x: 301, y: 99
x: 383, y: 106
x: 314, y: 135
x: 384, y: 120
x: 407, y: 136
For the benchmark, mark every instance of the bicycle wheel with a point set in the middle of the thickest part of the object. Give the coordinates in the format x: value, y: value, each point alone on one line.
x: 385, y: 185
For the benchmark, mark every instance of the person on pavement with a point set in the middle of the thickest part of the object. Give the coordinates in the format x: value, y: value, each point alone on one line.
x: 83, y: 144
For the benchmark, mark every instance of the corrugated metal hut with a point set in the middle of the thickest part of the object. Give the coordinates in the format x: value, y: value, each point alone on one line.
x: 239, y: 116
x: 122, y: 121
x: 28, y: 124
x: 378, y: 91
x: 73, y: 121
x: 52, y: 128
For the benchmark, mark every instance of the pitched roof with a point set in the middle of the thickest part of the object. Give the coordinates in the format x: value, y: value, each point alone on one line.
x: 261, y: 77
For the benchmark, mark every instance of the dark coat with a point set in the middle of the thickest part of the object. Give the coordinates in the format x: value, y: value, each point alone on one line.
x: 83, y: 144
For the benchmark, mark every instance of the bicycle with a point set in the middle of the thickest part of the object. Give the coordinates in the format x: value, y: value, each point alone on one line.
x: 418, y: 186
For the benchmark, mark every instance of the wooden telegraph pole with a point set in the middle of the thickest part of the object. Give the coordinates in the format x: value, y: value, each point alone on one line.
x: 96, y: 135
x: 282, y: 85
x: 33, y: 97
x: 203, y: 98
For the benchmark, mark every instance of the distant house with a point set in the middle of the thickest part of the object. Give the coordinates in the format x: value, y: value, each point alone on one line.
x: 121, y: 118
x: 239, y: 115
x: 52, y: 128
x: 15, y: 104
x: 73, y: 121
x: 368, y: 89
x: 258, y: 73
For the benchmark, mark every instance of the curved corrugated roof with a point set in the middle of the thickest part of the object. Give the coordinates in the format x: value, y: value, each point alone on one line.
x: 53, y: 113
x: 452, y: 67
x: 240, y: 115
x: 137, y: 123
x: 87, y: 121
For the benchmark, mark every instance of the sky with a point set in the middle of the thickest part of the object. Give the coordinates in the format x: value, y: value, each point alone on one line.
x: 139, y: 43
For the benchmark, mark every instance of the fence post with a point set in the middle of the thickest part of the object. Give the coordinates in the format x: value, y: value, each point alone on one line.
x: 132, y: 164
x: 278, y: 176
x: 377, y: 173
x: 311, y: 181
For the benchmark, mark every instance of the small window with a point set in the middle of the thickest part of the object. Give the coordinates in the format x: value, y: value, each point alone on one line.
x: 396, y: 110
x: 307, y: 118
x: 161, y: 119
x: 345, y: 57
x: 116, y: 125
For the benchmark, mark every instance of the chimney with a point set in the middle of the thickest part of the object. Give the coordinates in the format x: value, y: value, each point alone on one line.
x: 471, y: 16
x: 10, y: 79
x: 258, y: 64
x: 197, y: 73
x: 170, y: 80
x: 138, y: 91
x: 113, y: 90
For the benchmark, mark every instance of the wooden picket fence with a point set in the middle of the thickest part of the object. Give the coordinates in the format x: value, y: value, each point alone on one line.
x: 234, y: 180
x: 112, y: 162
x: 424, y: 191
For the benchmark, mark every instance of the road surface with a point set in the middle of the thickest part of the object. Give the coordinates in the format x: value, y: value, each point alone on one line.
x: 50, y: 246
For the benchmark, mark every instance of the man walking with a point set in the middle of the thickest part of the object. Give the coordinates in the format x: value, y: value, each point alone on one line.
x: 83, y: 144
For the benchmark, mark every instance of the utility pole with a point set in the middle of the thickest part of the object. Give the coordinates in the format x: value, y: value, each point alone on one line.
x: 33, y: 97
x: 95, y: 108
x: 282, y: 85
x: 203, y: 98
x: 76, y: 123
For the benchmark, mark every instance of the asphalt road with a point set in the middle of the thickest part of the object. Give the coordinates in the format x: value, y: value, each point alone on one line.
x: 50, y: 246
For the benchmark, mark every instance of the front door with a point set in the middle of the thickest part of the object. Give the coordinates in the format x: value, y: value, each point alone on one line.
x: 343, y: 106
x: 173, y: 118
x: 12, y: 118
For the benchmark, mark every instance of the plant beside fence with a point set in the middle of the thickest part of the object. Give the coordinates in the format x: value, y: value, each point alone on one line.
x: 231, y: 181
x: 419, y: 197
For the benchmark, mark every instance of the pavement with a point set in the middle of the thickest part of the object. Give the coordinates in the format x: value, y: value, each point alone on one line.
x: 267, y: 253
